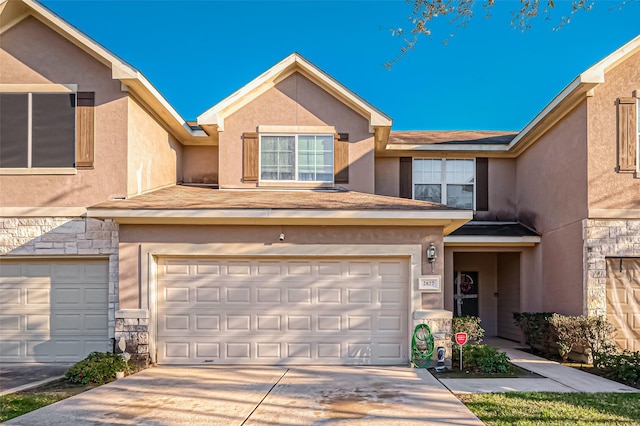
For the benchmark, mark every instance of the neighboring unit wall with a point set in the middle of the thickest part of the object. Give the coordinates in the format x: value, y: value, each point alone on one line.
x: 296, y: 101
x: 608, y: 189
x: 200, y: 164
x: 551, y: 183
x: 46, y: 237
x: 49, y: 58
x: 154, y: 155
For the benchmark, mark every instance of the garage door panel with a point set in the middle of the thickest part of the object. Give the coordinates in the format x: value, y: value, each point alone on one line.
x: 53, y: 310
x: 335, y: 311
x: 623, y: 301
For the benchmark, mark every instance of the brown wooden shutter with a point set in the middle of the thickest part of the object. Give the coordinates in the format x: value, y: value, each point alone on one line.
x: 406, y: 177
x: 341, y: 157
x: 251, y: 154
x: 85, y: 129
x: 627, y: 133
x: 482, y: 184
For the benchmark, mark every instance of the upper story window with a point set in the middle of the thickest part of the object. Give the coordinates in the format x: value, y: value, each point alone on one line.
x: 444, y: 181
x: 296, y: 158
x: 37, y: 130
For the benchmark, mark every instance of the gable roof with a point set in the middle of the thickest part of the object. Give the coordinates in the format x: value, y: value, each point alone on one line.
x: 12, y: 12
x: 560, y: 106
x: 216, y: 115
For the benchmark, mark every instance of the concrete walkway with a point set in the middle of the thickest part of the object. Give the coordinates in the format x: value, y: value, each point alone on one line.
x: 555, y: 377
x: 163, y: 396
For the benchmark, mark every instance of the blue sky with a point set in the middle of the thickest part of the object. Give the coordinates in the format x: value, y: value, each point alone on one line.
x: 488, y: 76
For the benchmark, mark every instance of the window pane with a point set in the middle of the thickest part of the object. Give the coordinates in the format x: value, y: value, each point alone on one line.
x: 460, y: 196
x: 54, y: 130
x: 430, y: 192
x: 277, y: 160
x: 315, y: 158
x: 427, y: 171
x: 459, y: 171
x: 13, y: 130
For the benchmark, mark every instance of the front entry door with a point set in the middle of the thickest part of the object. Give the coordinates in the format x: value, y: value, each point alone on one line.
x: 466, y: 294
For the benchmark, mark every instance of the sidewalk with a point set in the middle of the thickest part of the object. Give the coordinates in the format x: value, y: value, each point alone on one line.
x: 555, y: 377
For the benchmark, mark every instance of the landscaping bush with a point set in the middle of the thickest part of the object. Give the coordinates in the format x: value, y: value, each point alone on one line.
x: 97, y: 368
x: 536, y: 329
x: 568, y: 333
x: 597, y: 334
x: 469, y: 325
x: 622, y: 366
x: 485, y: 359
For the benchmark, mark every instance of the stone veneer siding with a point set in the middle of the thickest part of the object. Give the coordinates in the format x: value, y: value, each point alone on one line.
x: 604, y: 238
x: 67, y: 237
x: 439, y: 322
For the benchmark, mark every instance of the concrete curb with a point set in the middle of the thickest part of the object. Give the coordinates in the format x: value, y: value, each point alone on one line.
x: 30, y: 385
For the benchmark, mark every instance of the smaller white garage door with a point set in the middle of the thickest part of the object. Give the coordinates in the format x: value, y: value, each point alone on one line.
x: 285, y: 311
x: 53, y: 311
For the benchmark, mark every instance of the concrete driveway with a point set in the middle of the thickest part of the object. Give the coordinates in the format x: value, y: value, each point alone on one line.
x: 166, y: 396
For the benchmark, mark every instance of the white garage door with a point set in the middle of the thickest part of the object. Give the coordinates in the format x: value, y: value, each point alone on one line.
x: 53, y: 311
x: 288, y: 311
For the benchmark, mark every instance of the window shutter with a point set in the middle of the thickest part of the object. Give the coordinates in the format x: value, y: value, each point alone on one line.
x: 251, y: 153
x: 341, y: 157
x: 85, y: 129
x: 482, y: 184
x: 406, y: 177
x: 627, y: 134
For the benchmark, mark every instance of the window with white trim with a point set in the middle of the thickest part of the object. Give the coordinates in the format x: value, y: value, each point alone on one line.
x: 296, y: 158
x: 445, y: 181
x: 37, y: 130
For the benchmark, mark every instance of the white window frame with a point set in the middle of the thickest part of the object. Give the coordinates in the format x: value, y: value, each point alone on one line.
x: 443, y: 179
x: 30, y: 90
x: 295, y: 171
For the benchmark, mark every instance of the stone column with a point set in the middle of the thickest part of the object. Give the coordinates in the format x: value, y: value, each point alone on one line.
x: 133, y: 326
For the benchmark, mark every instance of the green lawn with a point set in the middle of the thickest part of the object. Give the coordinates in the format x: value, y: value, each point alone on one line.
x: 17, y: 404
x: 14, y: 405
x: 547, y: 408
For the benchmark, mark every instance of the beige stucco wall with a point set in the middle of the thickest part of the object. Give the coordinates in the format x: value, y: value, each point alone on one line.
x: 30, y: 52
x: 608, y: 189
x: 502, y: 191
x: 132, y: 236
x: 154, y: 155
x: 551, y: 176
x: 387, y: 176
x: 562, y: 279
x: 296, y: 101
x: 200, y: 164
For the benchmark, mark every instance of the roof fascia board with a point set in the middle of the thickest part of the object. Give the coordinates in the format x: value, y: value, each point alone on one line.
x: 120, y: 70
x: 481, y: 240
x: 571, y: 95
x: 283, y: 69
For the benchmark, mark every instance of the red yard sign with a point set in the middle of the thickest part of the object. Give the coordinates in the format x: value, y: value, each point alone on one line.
x: 461, y: 338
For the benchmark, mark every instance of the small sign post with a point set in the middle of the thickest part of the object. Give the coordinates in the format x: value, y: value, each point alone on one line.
x: 461, y: 339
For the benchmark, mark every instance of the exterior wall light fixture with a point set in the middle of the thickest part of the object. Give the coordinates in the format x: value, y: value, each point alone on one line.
x: 432, y: 255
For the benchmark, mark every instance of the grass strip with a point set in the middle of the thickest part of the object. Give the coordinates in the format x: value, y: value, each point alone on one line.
x: 552, y: 408
x: 15, y: 404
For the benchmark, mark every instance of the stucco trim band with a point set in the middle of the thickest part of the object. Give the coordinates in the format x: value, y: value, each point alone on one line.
x: 149, y: 254
x: 614, y: 213
x: 40, y: 171
x: 42, y: 211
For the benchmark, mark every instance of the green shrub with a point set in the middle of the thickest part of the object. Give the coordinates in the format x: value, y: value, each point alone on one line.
x: 568, y: 333
x: 623, y: 366
x: 485, y: 359
x: 597, y: 334
x: 469, y: 325
x: 96, y: 368
x: 536, y: 329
